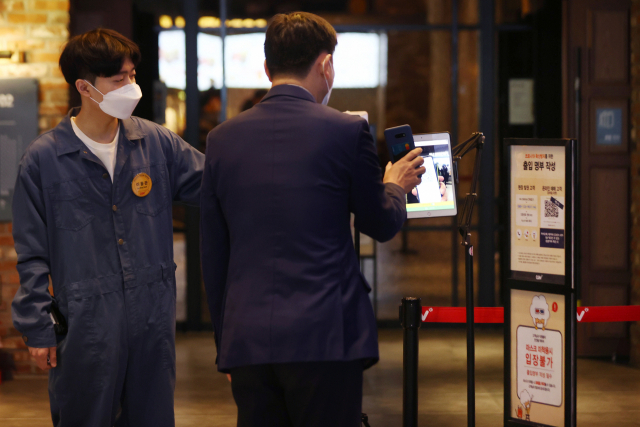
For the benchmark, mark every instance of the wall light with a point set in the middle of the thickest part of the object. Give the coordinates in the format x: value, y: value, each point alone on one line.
x: 234, y: 23
x: 7, y: 56
x: 248, y: 23
x: 209, y: 22
x: 166, y: 21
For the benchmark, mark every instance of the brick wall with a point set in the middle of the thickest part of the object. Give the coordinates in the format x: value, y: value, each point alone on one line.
x: 38, y: 28
x: 635, y: 175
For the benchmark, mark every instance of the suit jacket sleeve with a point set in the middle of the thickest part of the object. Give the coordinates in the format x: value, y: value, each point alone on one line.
x: 379, y: 209
x: 32, y: 302
x: 214, y: 249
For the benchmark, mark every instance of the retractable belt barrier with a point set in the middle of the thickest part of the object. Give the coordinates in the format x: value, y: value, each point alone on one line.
x: 623, y: 313
x: 413, y: 314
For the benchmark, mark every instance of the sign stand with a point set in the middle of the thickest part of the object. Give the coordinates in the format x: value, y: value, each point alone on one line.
x: 540, y: 291
x: 476, y: 142
x: 408, y: 310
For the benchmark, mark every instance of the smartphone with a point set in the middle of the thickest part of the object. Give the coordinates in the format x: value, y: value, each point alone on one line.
x: 399, y: 141
x: 59, y: 322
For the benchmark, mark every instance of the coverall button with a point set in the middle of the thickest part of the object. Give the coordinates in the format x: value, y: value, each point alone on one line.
x: 25, y: 338
x: 105, y: 175
x: 121, y: 242
x: 114, y: 207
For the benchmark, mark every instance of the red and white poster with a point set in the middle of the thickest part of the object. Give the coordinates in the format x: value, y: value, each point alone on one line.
x: 537, y: 357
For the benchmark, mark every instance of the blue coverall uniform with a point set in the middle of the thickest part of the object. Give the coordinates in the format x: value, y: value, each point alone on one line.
x: 110, y: 257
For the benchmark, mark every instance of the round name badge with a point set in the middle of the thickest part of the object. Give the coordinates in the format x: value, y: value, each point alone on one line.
x: 141, y: 185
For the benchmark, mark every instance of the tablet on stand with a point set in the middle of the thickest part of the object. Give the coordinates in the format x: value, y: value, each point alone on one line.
x: 436, y: 195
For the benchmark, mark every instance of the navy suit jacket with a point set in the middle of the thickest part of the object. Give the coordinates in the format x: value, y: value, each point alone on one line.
x: 280, y: 270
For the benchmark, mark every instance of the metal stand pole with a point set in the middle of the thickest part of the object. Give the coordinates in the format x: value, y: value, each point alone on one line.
x: 411, y: 309
x: 454, y: 263
x: 471, y: 377
x: 411, y: 318
x: 192, y: 220
x: 475, y: 142
x: 356, y: 243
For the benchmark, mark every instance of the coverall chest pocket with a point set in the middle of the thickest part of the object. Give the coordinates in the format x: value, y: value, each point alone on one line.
x: 157, y: 199
x: 72, y: 208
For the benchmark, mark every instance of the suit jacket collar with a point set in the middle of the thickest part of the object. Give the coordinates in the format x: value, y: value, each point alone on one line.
x: 289, y: 90
x: 68, y: 142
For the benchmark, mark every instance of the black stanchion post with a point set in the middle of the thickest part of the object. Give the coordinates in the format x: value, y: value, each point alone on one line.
x: 471, y: 377
x: 411, y: 318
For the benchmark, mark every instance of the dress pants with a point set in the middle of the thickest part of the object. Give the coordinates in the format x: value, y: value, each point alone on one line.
x: 302, y: 394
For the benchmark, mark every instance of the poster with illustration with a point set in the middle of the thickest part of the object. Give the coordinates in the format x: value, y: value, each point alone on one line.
x: 537, y: 357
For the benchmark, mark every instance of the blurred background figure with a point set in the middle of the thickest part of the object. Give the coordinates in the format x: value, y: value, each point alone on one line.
x: 257, y: 97
x: 210, y: 107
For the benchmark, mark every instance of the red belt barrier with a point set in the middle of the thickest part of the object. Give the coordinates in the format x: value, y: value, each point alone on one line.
x: 623, y: 313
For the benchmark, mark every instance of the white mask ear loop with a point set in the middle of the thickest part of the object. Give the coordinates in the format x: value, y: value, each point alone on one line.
x: 90, y: 97
x: 325, y: 73
x: 325, y: 101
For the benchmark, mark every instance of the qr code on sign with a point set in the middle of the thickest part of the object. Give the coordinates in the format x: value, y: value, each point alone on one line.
x: 550, y: 209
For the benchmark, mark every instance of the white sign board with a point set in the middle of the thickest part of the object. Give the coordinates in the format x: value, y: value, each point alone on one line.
x: 538, y: 194
x: 539, y: 362
x: 521, y: 102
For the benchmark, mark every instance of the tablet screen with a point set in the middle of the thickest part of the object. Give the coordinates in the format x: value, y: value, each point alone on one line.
x: 435, y: 196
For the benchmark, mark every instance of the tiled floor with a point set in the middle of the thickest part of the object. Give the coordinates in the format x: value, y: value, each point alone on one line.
x: 608, y: 394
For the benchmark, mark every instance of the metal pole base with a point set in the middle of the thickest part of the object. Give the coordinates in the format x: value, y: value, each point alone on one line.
x: 471, y: 378
x: 411, y: 318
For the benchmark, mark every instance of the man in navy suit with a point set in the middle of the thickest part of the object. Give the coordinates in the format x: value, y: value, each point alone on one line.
x: 292, y: 319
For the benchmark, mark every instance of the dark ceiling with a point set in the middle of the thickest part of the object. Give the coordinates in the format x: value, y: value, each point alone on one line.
x: 243, y: 8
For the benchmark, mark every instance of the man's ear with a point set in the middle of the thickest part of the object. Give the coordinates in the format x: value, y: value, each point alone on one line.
x: 326, y: 64
x: 266, y: 70
x: 83, y: 88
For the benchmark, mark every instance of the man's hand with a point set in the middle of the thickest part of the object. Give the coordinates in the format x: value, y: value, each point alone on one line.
x: 44, y: 357
x: 443, y: 189
x: 405, y: 171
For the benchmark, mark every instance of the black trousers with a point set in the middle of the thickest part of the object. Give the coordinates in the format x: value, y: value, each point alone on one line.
x: 305, y: 394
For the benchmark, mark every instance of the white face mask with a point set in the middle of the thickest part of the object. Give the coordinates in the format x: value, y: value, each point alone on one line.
x: 121, y: 102
x: 325, y: 101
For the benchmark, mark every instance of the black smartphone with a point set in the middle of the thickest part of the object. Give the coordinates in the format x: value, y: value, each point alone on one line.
x: 399, y: 141
x: 59, y: 322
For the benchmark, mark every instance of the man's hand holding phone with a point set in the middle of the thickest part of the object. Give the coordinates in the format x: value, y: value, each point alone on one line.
x: 405, y: 171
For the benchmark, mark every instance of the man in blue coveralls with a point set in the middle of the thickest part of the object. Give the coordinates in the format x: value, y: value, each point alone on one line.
x: 92, y: 210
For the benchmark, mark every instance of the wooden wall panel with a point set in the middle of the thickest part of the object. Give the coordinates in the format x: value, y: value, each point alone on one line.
x: 597, y: 85
x: 610, y: 295
x: 610, y: 46
x: 609, y: 225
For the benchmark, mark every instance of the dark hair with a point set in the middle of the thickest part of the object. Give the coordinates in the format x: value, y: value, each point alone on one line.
x: 294, y: 42
x: 97, y: 53
x: 259, y: 94
x: 206, y: 95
